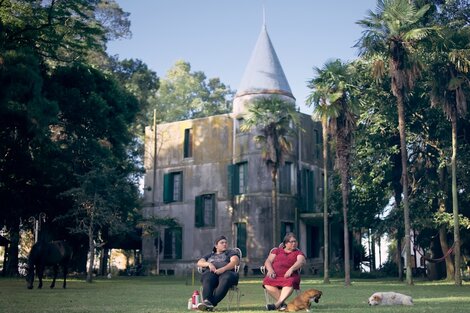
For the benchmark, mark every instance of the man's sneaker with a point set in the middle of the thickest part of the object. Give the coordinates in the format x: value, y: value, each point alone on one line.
x: 283, y: 307
x: 206, y: 305
x: 270, y: 307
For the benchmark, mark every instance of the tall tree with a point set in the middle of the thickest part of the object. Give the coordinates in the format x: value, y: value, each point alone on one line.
x: 273, y: 119
x: 59, y: 31
x: 184, y: 95
x: 334, y: 81
x: 448, y: 81
x: 391, y: 34
x: 141, y: 82
x: 25, y: 115
x: 323, y: 111
x: 97, y: 146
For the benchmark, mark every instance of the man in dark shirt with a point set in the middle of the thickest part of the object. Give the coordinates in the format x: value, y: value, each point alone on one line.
x: 219, y: 275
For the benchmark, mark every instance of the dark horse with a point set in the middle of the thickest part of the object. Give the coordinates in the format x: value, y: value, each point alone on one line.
x: 44, y: 254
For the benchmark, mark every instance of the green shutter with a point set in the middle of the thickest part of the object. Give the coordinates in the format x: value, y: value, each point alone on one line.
x: 309, y: 241
x: 178, y: 233
x: 181, y: 187
x: 285, y: 179
x: 168, y: 244
x: 167, y: 188
x: 231, y: 170
x: 199, y: 212
x: 303, y: 190
x: 245, y: 178
x: 283, y: 230
x: 311, y: 191
x: 214, y: 204
x: 241, y: 237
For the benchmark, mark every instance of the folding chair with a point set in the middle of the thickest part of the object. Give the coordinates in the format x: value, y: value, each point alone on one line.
x: 234, y: 291
x: 267, y: 296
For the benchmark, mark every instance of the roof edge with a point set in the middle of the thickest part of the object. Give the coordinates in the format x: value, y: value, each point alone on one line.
x: 265, y: 92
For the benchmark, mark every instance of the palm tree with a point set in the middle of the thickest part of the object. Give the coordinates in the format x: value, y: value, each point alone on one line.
x: 449, y: 75
x: 274, y: 119
x: 391, y: 34
x: 333, y: 100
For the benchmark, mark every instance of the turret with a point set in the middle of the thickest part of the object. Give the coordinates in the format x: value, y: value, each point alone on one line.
x: 263, y: 76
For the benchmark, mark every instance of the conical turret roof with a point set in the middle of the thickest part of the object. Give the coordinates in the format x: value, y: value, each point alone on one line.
x: 264, y: 74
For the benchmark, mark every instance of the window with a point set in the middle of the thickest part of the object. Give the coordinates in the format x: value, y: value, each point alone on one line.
x: 188, y: 143
x: 241, y: 237
x: 285, y: 178
x: 205, y: 210
x: 242, y: 178
x: 286, y: 227
x: 318, y: 145
x: 307, y: 190
x: 237, y: 178
x: 173, y: 243
x: 314, y: 239
x: 173, y: 187
x: 239, y: 124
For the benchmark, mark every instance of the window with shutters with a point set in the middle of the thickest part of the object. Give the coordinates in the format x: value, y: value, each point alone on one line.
x: 317, y: 147
x: 173, y: 247
x: 242, y: 178
x: 205, y: 210
x: 285, y: 178
x: 173, y: 187
x: 237, y: 179
x: 307, y: 190
x: 241, y: 237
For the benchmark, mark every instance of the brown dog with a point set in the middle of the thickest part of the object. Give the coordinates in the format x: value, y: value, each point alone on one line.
x: 304, y: 300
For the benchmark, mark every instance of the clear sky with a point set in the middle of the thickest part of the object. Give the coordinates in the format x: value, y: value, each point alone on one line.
x: 218, y: 36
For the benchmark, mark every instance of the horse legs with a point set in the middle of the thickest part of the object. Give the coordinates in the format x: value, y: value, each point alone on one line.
x: 40, y: 271
x: 55, y: 270
x: 30, y: 276
x: 64, y: 268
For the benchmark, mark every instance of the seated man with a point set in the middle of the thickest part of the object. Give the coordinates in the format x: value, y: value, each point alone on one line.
x: 219, y: 275
x: 282, y: 272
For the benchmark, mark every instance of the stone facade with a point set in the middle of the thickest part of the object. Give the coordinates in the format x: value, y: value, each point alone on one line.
x: 211, y: 178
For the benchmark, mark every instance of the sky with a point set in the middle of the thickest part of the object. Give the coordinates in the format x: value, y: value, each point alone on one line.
x: 217, y: 37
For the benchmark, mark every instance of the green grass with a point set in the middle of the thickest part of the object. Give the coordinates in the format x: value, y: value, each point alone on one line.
x: 170, y: 294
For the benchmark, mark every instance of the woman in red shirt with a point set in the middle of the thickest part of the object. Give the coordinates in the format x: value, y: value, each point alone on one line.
x: 282, y: 276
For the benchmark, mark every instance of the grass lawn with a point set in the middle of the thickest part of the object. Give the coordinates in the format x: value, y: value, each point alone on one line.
x: 171, y: 294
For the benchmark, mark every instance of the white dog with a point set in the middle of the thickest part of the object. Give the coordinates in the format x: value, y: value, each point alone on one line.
x: 390, y: 298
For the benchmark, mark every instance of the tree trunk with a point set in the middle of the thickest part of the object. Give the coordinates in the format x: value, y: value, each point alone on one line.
x: 276, y: 237
x: 326, y: 245
x: 445, y: 248
x: 91, y: 248
x: 455, y: 205
x: 345, y: 196
x: 159, y: 248
x: 104, y: 262
x: 404, y: 181
x: 443, y: 228
x: 373, y: 266
x: 397, y: 191
x: 12, y: 265
x: 399, y: 261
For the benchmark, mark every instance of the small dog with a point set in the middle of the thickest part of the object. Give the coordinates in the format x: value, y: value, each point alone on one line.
x: 304, y: 300
x: 390, y: 298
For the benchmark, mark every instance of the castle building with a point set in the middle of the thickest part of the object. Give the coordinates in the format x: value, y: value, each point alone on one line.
x: 210, y: 177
